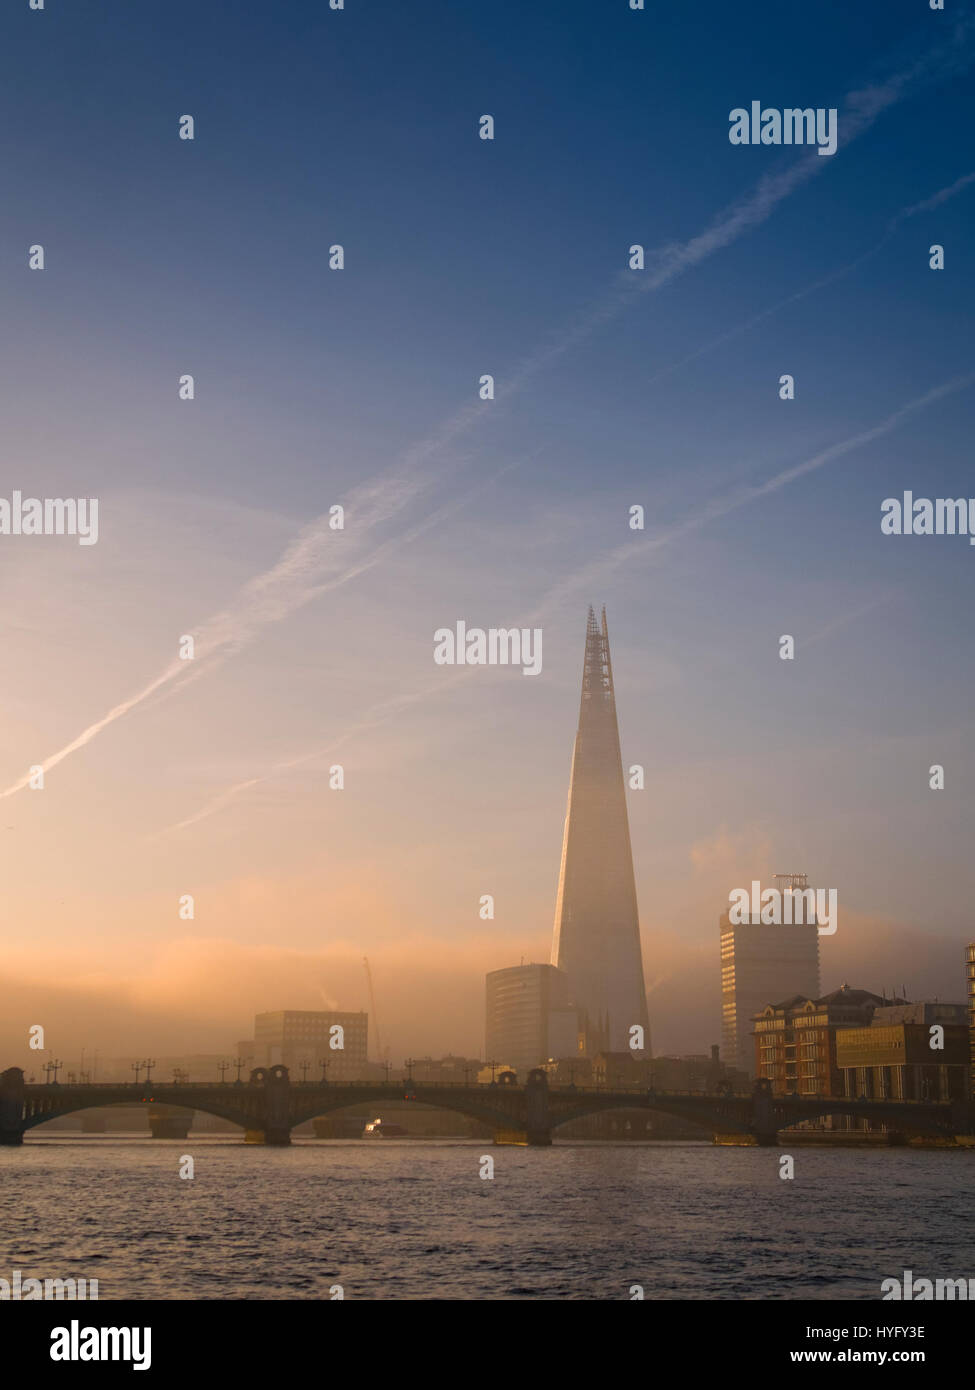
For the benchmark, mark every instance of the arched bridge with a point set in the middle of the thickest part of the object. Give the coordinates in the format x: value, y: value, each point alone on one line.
x: 270, y: 1105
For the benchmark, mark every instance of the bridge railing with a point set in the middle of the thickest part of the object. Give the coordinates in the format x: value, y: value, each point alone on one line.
x: 367, y: 1082
x: 139, y: 1088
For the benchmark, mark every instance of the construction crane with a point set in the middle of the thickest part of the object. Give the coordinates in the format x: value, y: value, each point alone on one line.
x: 372, y: 1010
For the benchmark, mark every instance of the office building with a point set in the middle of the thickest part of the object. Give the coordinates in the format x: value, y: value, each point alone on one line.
x: 761, y: 963
x: 597, y: 928
x: 893, y: 1057
x: 529, y: 1017
x: 301, y: 1039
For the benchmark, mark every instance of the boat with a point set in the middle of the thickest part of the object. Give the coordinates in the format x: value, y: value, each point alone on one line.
x: 378, y: 1129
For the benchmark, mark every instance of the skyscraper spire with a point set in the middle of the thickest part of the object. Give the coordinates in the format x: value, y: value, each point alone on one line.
x: 597, y: 926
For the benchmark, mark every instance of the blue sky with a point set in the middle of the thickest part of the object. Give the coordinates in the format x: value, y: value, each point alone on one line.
x: 465, y: 257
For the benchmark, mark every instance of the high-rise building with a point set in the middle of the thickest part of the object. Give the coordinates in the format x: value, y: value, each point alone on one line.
x: 761, y: 963
x: 597, y: 925
x: 300, y: 1039
x: 529, y: 1017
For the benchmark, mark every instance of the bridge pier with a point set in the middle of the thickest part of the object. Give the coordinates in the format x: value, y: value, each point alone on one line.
x: 166, y: 1122
x: 526, y: 1138
x: 278, y: 1137
x: 272, y: 1123
x: 763, y: 1124
x: 510, y: 1136
x: 11, y: 1106
x: 538, y: 1124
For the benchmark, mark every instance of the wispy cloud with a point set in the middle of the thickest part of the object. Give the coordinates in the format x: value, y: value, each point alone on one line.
x: 319, y: 558
x: 722, y: 505
x: 316, y: 561
x: 936, y: 199
x: 596, y: 574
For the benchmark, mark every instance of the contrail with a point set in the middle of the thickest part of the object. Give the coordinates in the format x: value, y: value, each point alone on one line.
x: 845, y: 619
x: 292, y: 582
x: 116, y: 712
x: 270, y: 599
x: 861, y: 109
x: 376, y: 716
x: 273, y: 595
x: 378, y: 713
x: 597, y: 573
x: 934, y: 201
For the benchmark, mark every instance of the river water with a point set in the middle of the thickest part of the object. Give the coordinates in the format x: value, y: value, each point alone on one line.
x: 414, y: 1219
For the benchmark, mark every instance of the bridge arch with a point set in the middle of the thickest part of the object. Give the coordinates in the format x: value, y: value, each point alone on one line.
x: 490, y: 1114
x: 896, y: 1120
x: 718, y: 1119
x: 179, y: 1097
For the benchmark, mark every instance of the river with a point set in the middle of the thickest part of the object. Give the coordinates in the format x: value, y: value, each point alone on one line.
x: 413, y: 1219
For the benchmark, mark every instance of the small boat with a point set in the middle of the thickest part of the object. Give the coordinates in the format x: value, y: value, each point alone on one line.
x: 377, y: 1129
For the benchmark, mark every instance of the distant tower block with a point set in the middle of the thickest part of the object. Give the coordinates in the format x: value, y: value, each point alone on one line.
x: 597, y: 925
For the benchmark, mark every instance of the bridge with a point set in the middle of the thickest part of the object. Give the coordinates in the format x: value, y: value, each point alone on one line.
x: 270, y: 1105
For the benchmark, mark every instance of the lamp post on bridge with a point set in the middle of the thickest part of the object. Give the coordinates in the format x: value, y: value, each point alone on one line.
x: 223, y: 1068
x: 304, y: 1071
x: 409, y: 1069
x: 149, y: 1064
x: 52, y: 1068
x: 323, y: 1062
x: 137, y: 1067
x: 240, y: 1064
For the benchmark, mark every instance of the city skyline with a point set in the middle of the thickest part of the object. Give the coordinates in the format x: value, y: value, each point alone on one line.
x: 762, y: 516
x: 883, y: 972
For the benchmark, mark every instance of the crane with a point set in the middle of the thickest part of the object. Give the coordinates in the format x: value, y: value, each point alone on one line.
x: 372, y: 1009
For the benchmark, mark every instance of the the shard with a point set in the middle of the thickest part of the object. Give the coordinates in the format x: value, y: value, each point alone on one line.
x: 597, y: 926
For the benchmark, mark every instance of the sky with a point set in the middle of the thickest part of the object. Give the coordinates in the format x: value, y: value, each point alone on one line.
x: 360, y: 388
